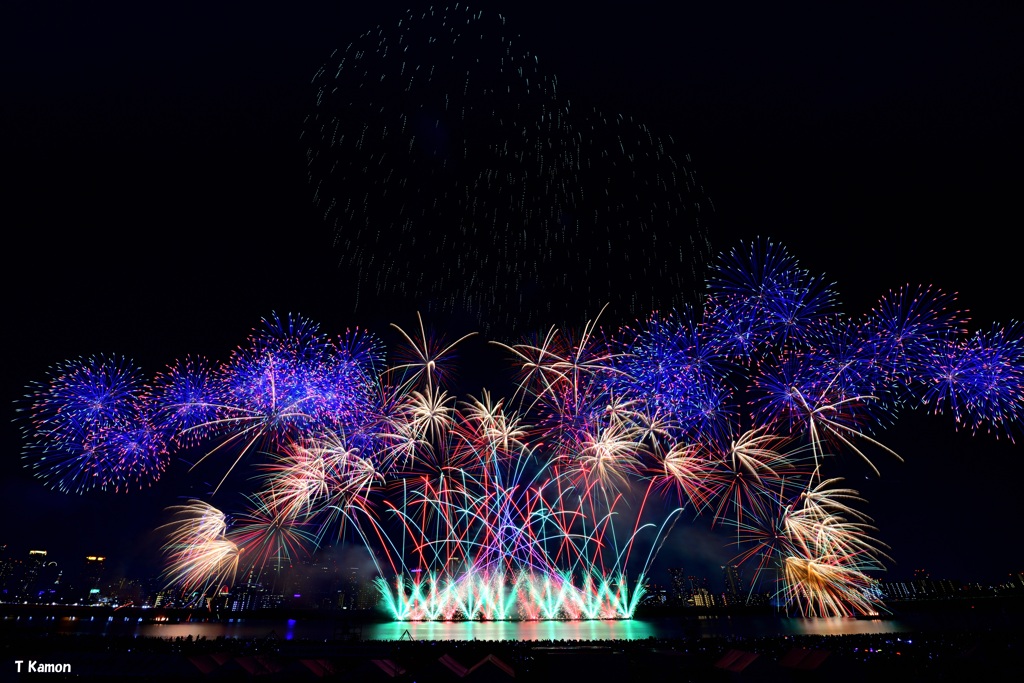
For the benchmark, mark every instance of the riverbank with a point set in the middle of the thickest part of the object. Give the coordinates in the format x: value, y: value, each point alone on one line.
x: 946, y: 656
x: 944, y: 641
x: 1013, y: 604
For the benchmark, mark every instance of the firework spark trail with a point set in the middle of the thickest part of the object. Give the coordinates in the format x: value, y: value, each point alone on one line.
x: 268, y: 533
x: 824, y: 559
x: 301, y: 478
x: 689, y: 471
x: 829, y: 585
x: 749, y: 467
x: 199, y: 556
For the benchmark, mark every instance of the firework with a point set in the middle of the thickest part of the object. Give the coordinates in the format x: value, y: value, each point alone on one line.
x: 199, y: 556
x: 497, y: 546
x: 823, y: 559
x: 689, y: 471
x: 269, y: 533
x: 86, y: 427
x: 445, y: 159
x: 906, y: 324
x: 556, y: 503
x: 287, y: 382
x: 829, y: 586
x: 979, y: 380
x: 185, y: 400
x: 302, y: 478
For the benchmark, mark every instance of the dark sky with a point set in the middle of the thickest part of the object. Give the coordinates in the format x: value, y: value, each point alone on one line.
x: 156, y: 202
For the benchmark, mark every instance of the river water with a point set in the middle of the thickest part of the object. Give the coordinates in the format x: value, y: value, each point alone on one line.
x: 691, y: 627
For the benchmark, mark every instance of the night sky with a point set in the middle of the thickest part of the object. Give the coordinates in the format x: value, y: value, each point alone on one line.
x: 157, y: 204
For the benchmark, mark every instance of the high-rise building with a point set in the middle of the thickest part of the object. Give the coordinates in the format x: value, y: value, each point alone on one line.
x: 348, y: 589
x: 247, y: 595
x: 315, y: 582
x: 9, y: 570
x: 735, y: 592
x: 93, y: 575
x: 924, y: 586
x: 125, y: 591
x: 41, y: 580
x: 368, y: 596
x: 679, y: 589
x: 33, y: 569
x: 700, y: 593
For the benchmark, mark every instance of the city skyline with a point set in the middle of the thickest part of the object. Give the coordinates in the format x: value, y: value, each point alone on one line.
x: 325, y: 581
x: 938, y: 122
